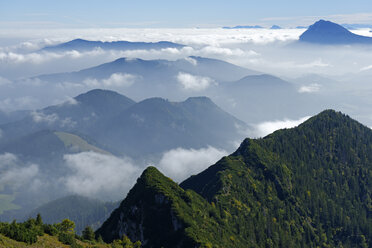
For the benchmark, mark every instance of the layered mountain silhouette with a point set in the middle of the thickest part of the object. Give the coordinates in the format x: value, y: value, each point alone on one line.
x: 146, y: 78
x: 109, y: 123
x: 244, y: 27
x: 326, y: 32
x: 258, y: 81
x: 307, y: 186
x: 86, y: 45
x: 240, y: 91
x: 119, y: 125
x: 266, y: 95
x: 82, y: 111
x: 155, y: 70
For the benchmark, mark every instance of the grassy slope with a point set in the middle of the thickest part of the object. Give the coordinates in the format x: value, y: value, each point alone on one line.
x: 44, y: 241
x: 71, y: 140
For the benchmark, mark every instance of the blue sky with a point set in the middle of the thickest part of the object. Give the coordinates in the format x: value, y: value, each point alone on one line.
x: 166, y: 13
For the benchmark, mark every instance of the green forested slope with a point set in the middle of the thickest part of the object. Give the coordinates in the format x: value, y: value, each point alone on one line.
x: 308, y: 186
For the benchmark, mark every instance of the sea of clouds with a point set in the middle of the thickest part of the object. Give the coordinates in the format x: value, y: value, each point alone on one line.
x: 264, y: 50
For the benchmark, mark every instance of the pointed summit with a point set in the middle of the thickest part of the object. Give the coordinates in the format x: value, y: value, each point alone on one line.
x: 326, y: 32
x: 157, y: 212
x: 99, y: 97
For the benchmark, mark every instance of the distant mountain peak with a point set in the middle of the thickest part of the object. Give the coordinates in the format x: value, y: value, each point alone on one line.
x: 100, y: 93
x: 329, y: 115
x: 96, y: 92
x: 275, y: 27
x: 77, y: 41
x: 84, y: 45
x: 262, y: 80
x: 327, y: 32
x: 102, y: 101
x: 328, y: 27
x: 331, y: 118
x: 201, y: 99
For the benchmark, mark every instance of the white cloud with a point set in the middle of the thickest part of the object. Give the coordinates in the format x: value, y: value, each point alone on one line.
x: 218, y: 43
x: 14, y: 173
x: 44, y: 57
x: 68, y: 122
x: 119, y: 80
x: 366, y: 68
x: 39, y: 117
x: 213, y: 50
x: 70, y: 101
x: 19, y: 176
x: 98, y: 175
x: 315, y: 63
x: 181, y: 163
x: 194, y: 83
x: 64, y: 101
x: 192, y: 61
x: 7, y: 159
x: 309, y: 88
x: 30, y: 45
x: 116, y: 80
x: 205, y: 36
x: 268, y: 127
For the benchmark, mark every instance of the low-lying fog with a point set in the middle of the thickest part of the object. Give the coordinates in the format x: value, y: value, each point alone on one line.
x: 325, y: 70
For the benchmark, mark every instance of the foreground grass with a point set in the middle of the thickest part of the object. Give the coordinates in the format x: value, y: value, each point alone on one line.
x: 46, y: 241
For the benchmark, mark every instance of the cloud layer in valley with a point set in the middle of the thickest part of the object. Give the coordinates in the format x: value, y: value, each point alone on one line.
x: 268, y: 127
x: 15, y: 174
x: 194, y: 83
x: 116, y: 80
x: 181, y: 163
x: 268, y: 51
x: 100, y: 176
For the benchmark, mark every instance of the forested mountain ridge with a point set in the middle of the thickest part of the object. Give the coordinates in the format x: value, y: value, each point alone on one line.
x: 303, y: 187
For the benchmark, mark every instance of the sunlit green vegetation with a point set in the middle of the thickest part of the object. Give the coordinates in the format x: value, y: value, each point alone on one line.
x: 304, y: 187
